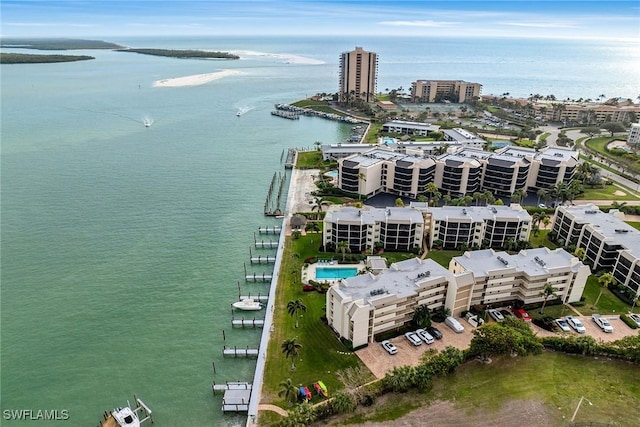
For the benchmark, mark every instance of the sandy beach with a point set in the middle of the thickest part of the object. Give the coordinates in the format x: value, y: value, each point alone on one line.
x: 196, y: 79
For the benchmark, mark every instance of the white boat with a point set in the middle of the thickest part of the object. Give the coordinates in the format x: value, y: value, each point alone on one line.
x: 248, y: 304
x: 126, y: 417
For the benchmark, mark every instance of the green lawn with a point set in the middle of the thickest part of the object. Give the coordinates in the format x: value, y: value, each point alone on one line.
x: 317, y: 106
x: 542, y: 240
x: 608, y: 303
x: 556, y: 380
x: 606, y: 193
x: 634, y: 224
x: 443, y: 257
x: 321, y: 354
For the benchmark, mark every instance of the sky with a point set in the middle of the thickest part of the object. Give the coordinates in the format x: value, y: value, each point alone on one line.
x: 560, y: 19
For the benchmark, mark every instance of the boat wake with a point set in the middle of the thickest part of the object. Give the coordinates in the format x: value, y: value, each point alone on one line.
x: 243, y: 110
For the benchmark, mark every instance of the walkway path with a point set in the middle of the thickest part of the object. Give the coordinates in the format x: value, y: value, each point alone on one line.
x: 272, y: 408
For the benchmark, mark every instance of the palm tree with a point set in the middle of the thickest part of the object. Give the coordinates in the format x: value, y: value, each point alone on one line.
x: 541, y: 192
x: 343, y: 247
x: 288, y: 390
x: 579, y: 253
x: 605, y: 280
x: 547, y: 292
x: 291, y: 349
x: 422, y: 317
x: 518, y: 195
x: 361, y: 177
x: 431, y: 189
x: 294, y: 307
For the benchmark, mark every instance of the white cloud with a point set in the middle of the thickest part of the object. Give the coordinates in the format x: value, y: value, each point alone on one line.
x: 427, y: 23
x: 540, y: 24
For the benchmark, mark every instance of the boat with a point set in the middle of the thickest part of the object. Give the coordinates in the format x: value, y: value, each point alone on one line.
x: 126, y: 417
x: 305, y: 394
x: 248, y: 304
x: 321, y: 388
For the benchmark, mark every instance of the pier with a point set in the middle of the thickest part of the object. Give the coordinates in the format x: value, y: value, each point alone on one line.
x: 273, y: 203
x: 263, y: 259
x: 248, y: 322
x: 269, y: 230
x: 258, y: 277
x: 258, y: 297
x: 243, y: 352
x: 291, y: 158
x: 236, y: 396
x: 262, y: 244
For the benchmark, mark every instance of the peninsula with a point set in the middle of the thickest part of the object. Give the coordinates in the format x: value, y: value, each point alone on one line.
x: 183, y: 54
x: 25, y: 58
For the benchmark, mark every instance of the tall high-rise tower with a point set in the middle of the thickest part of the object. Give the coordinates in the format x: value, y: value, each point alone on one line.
x: 358, y: 74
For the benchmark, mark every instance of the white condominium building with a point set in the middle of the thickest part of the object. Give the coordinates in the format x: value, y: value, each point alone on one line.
x: 444, y: 90
x: 393, y: 228
x: 610, y: 244
x: 361, y: 307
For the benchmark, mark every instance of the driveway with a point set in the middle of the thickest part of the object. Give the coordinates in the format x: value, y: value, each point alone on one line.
x: 380, y: 362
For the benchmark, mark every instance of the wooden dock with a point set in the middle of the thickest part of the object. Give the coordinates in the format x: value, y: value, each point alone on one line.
x: 269, y: 230
x: 269, y: 244
x: 258, y: 277
x: 273, y: 205
x: 263, y: 259
x: 244, y: 352
x: 258, y: 297
x: 290, y: 161
x: 256, y: 323
x: 236, y: 396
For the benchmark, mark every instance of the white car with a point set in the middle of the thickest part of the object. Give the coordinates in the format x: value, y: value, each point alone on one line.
x: 562, y: 324
x: 602, y: 323
x: 413, y: 338
x: 426, y: 336
x: 576, y: 324
x: 453, y: 323
x: 496, y: 315
x: 635, y: 318
x: 387, y: 345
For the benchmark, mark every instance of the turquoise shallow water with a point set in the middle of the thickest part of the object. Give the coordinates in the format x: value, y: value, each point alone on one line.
x: 122, y: 246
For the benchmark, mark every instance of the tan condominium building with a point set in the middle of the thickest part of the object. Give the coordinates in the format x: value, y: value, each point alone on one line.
x: 364, y: 229
x: 358, y: 76
x: 610, y: 244
x: 464, y: 171
x: 457, y: 91
x: 634, y: 134
x: 361, y: 307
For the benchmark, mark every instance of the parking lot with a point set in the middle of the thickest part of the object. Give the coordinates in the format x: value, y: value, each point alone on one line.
x: 379, y: 361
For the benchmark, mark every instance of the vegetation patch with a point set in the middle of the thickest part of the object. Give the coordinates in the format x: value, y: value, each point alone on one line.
x: 182, y: 54
x: 25, y: 58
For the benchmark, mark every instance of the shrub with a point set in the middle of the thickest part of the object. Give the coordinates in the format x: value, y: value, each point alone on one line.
x: 629, y: 321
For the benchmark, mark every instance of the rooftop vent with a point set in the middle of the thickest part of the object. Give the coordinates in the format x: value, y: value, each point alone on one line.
x: 540, y: 261
x: 502, y: 260
x: 592, y: 211
x: 377, y: 292
x: 425, y: 274
x: 494, y: 210
x: 464, y: 211
x: 621, y: 230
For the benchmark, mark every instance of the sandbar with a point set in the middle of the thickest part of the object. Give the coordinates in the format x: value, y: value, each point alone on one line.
x: 196, y: 79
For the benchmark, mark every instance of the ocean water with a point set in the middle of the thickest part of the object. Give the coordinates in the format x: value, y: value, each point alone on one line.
x: 122, y: 246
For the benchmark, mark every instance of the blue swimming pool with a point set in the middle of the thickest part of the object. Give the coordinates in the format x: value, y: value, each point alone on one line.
x: 335, y: 272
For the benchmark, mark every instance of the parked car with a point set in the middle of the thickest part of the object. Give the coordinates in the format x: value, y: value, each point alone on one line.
x: 413, y: 338
x: 505, y: 313
x: 602, y: 323
x: 496, y: 315
x: 473, y: 319
x: 521, y: 313
x: 635, y: 317
x: 542, y: 205
x: 563, y: 325
x: 435, y: 332
x: 425, y: 336
x: 576, y: 324
x: 453, y: 323
x: 387, y: 345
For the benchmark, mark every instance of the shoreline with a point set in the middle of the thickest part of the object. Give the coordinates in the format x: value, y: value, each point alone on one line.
x: 196, y: 79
